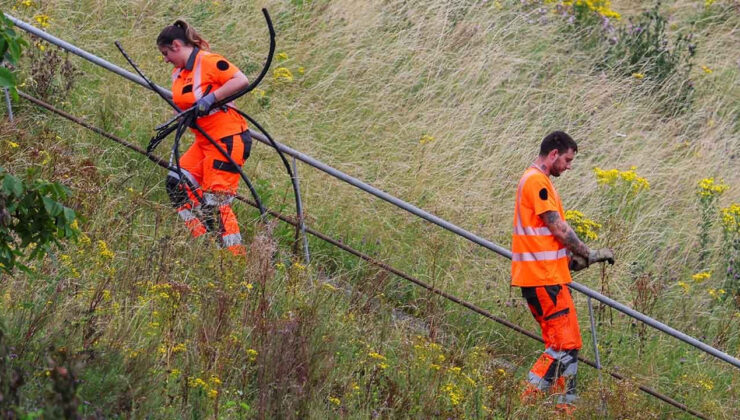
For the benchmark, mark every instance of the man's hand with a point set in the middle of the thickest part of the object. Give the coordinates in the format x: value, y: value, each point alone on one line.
x: 601, y: 255
x: 577, y: 263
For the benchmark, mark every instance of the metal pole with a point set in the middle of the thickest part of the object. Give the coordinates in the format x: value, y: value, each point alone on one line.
x: 301, y: 218
x: 597, y: 359
x: 593, y: 333
x: 7, y: 102
x: 399, y: 203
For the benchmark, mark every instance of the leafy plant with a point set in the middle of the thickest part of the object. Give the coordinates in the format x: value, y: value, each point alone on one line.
x: 10, y: 52
x: 642, y: 50
x: 31, y: 216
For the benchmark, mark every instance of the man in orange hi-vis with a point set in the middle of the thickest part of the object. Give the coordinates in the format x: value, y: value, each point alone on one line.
x: 201, y: 78
x: 544, y: 250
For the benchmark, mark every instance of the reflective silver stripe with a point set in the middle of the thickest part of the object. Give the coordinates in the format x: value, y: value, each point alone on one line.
x: 540, y: 256
x: 197, y: 88
x: 175, y: 74
x: 530, y: 231
x: 231, y: 240
x: 567, y: 398
x: 187, y: 174
x: 217, y: 199
x: 186, y: 215
x: 197, y: 82
x: 518, y: 228
x: 538, y: 381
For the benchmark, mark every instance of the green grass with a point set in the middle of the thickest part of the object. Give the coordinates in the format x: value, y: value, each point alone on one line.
x: 486, y: 84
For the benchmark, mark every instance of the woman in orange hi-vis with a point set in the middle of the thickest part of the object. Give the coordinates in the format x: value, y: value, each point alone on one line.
x: 544, y: 250
x: 201, y: 78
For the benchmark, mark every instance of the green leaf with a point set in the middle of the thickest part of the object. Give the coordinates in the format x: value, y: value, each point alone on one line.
x: 7, y: 78
x: 12, y: 185
x: 52, y: 207
x: 69, y: 215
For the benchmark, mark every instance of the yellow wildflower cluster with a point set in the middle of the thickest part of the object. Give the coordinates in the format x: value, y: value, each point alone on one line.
x: 381, y: 360
x: 210, y: 387
x: 429, y: 353
x: 709, y: 189
x: 334, y: 400
x: 638, y: 75
x: 27, y: 3
x: 281, y: 56
x: 252, y: 355
x: 610, y: 177
x: 585, y: 228
x: 12, y: 144
x: 716, y: 293
x: 104, y: 251
x: 454, y: 393
x: 731, y: 218
x: 42, y: 20
x: 282, y: 74
x: 700, y: 277
x: 602, y: 7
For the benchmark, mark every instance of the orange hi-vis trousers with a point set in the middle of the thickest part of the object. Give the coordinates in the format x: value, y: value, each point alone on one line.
x: 552, y: 307
x: 203, y: 199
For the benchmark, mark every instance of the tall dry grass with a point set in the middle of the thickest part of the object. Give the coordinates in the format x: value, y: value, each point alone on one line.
x: 440, y: 103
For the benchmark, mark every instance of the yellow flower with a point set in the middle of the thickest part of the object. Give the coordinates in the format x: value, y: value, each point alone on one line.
x: 252, y: 355
x: 585, y: 228
x: 376, y: 356
x: 12, y: 144
x: 106, y: 295
x: 215, y: 380
x: 684, y: 286
x: 612, y: 176
x: 213, y: 393
x: 706, y: 69
x: 334, y: 400
x: 426, y: 138
x: 301, y: 70
x: 258, y: 93
x: 282, y: 74
x: 700, y: 277
x: 104, y: 251
x: 731, y: 218
x: 281, y: 56
x: 43, y: 20
x: 638, y: 75
x: 27, y: 3
x: 708, y: 189
x: 708, y: 3
x: 179, y: 347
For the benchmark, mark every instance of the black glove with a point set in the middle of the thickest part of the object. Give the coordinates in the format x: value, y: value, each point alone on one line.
x: 601, y: 255
x: 204, y: 104
x: 577, y: 263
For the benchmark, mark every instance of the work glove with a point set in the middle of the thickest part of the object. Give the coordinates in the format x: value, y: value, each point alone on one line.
x: 204, y: 104
x: 577, y: 263
x: 601, y: 255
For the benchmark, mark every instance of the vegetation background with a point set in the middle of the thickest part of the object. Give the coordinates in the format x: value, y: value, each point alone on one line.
x: 441, y: 103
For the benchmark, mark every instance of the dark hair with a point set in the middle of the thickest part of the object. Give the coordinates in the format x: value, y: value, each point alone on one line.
x: 557, y: 140
x: 184, y: 32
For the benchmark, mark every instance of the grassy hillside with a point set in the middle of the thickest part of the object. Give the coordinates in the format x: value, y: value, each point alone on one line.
x: 441, y: 103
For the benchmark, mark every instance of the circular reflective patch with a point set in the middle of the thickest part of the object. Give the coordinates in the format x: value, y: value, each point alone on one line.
x: 543, y: 193
x: 222, y: 65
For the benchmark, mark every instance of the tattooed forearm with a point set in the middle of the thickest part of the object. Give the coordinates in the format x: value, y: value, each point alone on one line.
x: 564, y: 233
x: 574, y: 244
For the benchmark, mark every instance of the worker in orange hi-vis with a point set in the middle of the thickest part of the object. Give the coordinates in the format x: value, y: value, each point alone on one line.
x: 544, y: 250
x: 201, y: 78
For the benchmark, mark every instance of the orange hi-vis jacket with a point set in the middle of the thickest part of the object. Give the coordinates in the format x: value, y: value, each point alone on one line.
x: 538, y: 259
x: 190, y: 83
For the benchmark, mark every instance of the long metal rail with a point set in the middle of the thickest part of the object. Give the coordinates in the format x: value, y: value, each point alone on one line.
x: 299, y: 223
x: 397, y: 202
